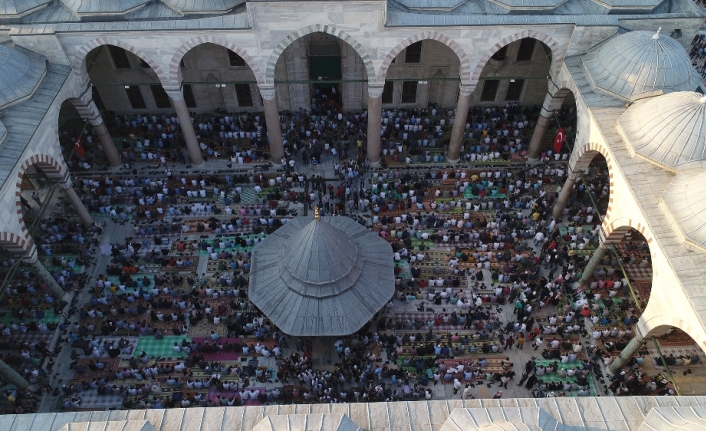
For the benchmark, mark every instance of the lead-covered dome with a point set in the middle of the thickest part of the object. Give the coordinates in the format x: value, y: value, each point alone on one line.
x: 18, y: 8
x: 203, y: 6
x: 668, y: 130
x: 640, y: 63
x: 685, y: 199
x: 321, y: 277
x: 21, y: 72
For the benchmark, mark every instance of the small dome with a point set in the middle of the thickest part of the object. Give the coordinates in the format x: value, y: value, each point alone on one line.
x: 319, y: 254
x: 669, y: 130
x: 93, y: 7
x: 685, y: 199
x: 639, y: 63
x: 203, y: 6
x: 18, y: 8
x: 21, y: 71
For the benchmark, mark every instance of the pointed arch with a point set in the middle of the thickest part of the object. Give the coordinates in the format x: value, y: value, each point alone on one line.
x: 317, y: 28
x: 79, y: 63
x: 54, y: 169
x: 175, y: 65
x: 465, y: 68
x: 538, y: 35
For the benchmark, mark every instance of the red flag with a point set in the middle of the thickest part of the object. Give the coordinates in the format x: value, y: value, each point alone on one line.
x: 559, y: 140
x: 78, y: 148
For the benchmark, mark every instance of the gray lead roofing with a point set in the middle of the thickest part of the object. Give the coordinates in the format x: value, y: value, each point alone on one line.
x: 321, y: 278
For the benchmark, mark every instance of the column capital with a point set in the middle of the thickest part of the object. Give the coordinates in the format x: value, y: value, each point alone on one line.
x: 605, y: 245
x: 572, y: 175
x: 466, y: 89
x: 174, y: 93
x: 31, y: 258
x: 268, y: 92
x: 375, y: 89
x: 65, y: 182
x: 546, y: 113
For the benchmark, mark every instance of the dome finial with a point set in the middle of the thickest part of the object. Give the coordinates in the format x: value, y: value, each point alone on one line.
x: 702, y: 100
x: 316, y: 214
x: 656, y: 35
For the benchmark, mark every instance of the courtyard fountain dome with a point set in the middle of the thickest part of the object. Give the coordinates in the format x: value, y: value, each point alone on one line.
x: 669, y: 130
x: 21, y: 71
x: 639, y: 64
x: 325, y: 276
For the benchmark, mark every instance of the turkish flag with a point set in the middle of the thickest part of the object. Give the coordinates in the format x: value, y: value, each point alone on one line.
x: 79, y: 149
x: 559, y: 140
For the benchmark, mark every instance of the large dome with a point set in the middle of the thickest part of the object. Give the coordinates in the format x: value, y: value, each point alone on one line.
x: 668, y: 130
x: 21, y: 72
x: 638, y: 64
x: 685, y: 199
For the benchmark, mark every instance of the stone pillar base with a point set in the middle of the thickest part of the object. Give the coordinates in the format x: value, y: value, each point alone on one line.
x: 453, y: 162
x: 531, y: 161
x: 375, y: 165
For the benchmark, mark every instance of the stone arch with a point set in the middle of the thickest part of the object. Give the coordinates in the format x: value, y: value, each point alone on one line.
x: 654, y: 326
x: 317, y: 28
x: 79, y: 63
x: 54, y: 170
x: 465, y: 72
x: 15, y: 244
x: 540, y: 36
x: 614, y: 231
x: 582, y: 157
x: 175, y: 69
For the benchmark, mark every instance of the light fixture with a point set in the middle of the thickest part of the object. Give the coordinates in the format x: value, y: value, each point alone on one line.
x: 512, y: 80
x: 422, y: 82
x: 127, y: 87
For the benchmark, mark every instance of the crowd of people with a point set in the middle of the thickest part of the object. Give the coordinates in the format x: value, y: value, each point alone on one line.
x: 482, y: 267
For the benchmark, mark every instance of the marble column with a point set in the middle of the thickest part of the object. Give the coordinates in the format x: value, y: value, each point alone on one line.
x: 13, y: 376
x: 628, y: 352
x: 111, y: 151
x: 43, y: 274
x: 274, y: 128
x: 540, y: 130
x: 68, y: 187
x: 564, y: 195
x: 187, y: 127
x: 459, y: 127
x: 374, y: 122
x: 89, y: 112
x: 593, y: 263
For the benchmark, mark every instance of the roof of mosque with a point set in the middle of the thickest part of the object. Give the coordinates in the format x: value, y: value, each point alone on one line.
x: 92, y: 7
x: 203, y: 6
x: 310, y: 422
x: 321, y: 277
x: 639, y: 64
x: 631, y: 4
x: 557, y: 414
x: 3, y: 132
x: 23, y: 118
x: 22, y: 71
x: 21, y: 7
x: 669, y: 130
x: 685, y: 199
